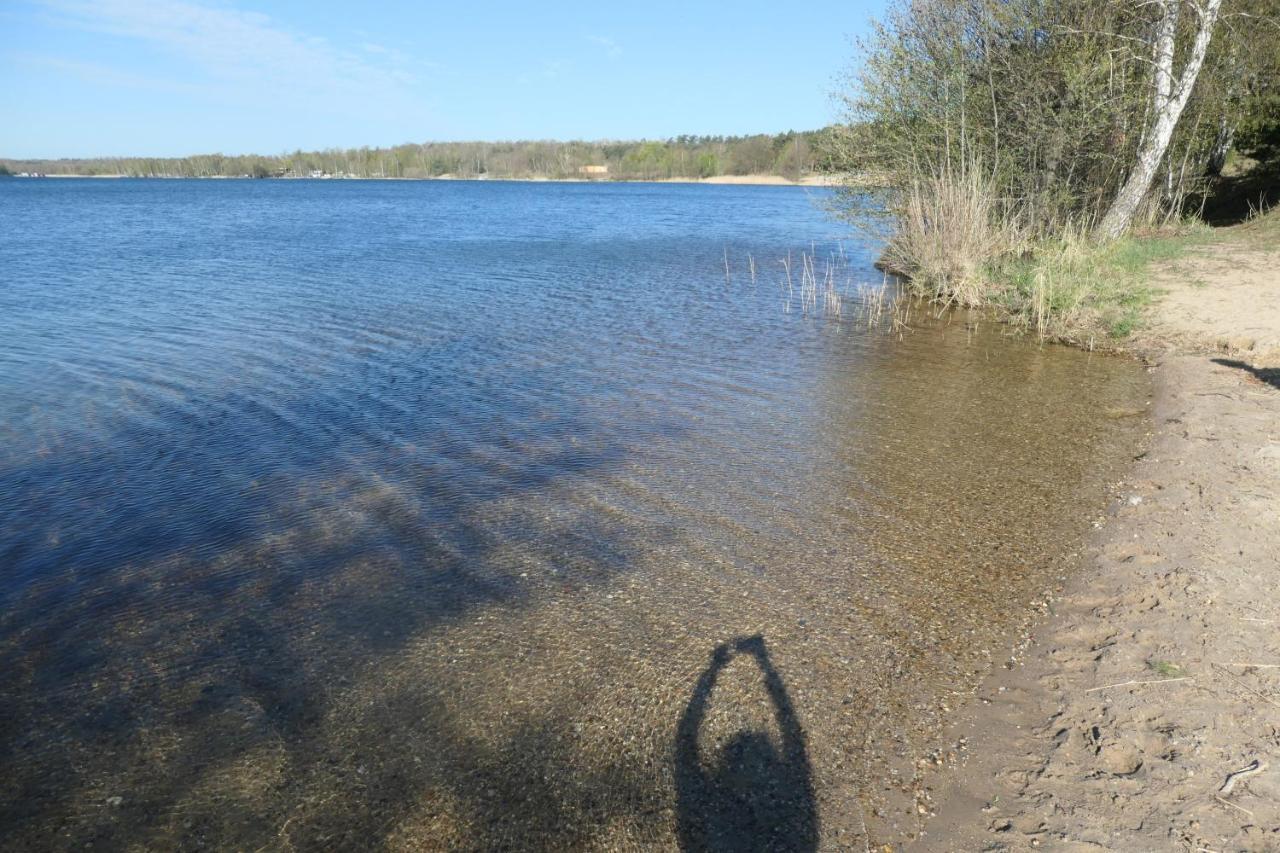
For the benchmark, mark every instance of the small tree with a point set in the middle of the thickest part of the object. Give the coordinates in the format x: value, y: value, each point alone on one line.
x: 708, y: 165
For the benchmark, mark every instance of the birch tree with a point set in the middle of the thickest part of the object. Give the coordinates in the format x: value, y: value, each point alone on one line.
x: 1169, y: 97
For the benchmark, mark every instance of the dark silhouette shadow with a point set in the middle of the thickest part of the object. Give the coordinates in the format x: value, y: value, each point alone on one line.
x: 1231, y: 200
x: 758, y: 793
x: 1268, y: 375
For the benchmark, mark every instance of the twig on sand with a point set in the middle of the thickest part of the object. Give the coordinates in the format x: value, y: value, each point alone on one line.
x: 1128, y: 683
x: 1240, y: 682
x: 1253, y: 769
x: 1233, y: 805
x: 1245, y: 663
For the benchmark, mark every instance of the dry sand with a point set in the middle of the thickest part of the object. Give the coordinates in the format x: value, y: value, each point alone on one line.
x: 778, y: 180
x: 1156, y: 675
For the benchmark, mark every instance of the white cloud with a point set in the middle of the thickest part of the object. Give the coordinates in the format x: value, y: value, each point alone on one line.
x: 99, y: 74
x: 242, y: 46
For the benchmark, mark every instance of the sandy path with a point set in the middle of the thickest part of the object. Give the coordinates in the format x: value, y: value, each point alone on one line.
x: 1223, y: 297
x: 1178, y: 604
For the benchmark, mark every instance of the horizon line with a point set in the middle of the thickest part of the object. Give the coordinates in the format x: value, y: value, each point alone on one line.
x: 506, y: 141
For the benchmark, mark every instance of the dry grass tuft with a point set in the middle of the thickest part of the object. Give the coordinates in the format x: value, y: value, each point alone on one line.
x: 951, y: 226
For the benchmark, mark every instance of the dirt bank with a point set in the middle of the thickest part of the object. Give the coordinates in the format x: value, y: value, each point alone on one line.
x: 1156, y: 675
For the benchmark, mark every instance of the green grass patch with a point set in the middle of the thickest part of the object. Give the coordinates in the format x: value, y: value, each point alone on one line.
x: 1077, y: 290
x: 1166, y: 669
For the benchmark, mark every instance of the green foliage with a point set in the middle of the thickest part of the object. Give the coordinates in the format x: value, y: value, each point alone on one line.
x: 648, y: 160
x: 708, y: 164
x: 1049, y: 95
x: 751, y: 156
x: 1071, y: 288
x: 790, y: 154
x: 1003, y: 130
x: 1053, y: 97
x: 1167, y: 669
x: 1259, y: 132
x: 1242, y: 83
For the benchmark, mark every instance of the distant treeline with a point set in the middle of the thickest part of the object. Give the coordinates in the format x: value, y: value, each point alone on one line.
x: 792, y: 155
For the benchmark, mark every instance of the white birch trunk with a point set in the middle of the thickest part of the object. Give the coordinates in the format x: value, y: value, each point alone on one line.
x: 1169, y: 101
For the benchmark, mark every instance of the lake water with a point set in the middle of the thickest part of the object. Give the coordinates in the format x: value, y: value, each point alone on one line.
x: 351, y: 515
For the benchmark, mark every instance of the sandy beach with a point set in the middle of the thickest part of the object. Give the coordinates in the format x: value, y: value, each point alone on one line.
x: 1142, y: 714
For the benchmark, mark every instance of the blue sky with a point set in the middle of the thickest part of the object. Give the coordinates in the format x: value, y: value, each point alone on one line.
x: 156, y: 78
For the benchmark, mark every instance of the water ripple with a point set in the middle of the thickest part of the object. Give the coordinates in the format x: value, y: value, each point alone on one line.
x: 392, y: 514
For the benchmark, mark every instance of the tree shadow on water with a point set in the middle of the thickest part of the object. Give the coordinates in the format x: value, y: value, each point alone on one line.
x: 191, y: 661
x: 758, y: 793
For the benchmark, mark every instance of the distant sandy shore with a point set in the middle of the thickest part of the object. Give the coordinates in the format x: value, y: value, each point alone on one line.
x: 742, y: 180
x: 765, y: 180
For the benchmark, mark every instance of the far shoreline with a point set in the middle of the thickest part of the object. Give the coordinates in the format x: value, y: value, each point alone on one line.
x: 827, y: 181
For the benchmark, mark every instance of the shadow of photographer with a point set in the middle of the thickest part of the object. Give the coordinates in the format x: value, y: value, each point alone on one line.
x: 757, y: 794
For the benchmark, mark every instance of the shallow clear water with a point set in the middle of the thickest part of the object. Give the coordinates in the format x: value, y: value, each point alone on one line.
x: 475, y: 515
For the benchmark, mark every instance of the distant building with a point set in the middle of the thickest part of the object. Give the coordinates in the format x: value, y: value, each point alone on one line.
x: 593, y: 171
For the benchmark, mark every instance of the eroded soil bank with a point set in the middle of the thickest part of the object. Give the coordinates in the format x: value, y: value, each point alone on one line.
x: 1155, y: 679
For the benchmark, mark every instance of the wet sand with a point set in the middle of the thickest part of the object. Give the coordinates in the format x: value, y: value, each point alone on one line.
x: 1154, y: 681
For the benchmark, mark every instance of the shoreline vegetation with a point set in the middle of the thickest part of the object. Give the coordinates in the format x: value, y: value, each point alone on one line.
x: 734, y: 180
x: 791, y: 156
x: 1037, y: 158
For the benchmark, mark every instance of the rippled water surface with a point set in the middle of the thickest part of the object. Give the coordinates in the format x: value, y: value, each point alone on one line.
x: 351, y: 515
